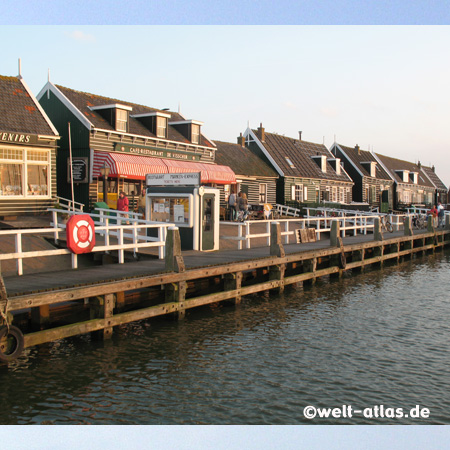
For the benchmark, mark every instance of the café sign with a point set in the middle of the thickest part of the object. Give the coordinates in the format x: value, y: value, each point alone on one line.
x: 173, y: 179
x: 155, y: 152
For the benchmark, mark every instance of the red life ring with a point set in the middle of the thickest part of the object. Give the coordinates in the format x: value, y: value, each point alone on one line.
x: 80, y: 234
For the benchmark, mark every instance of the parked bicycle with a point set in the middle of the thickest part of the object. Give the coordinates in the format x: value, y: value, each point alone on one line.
x: 419, y: 222
x: 386, y: 225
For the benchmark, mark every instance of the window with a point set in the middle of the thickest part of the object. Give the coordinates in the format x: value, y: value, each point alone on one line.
x: 291, y: 164
x: 121, y: 120
x: 342, y: 195
x: 262, y: 193
x: 161, y: 126
x: 334, y: 195
x: 24, y: 172
x: 299, y: 193
x: 195, y: 134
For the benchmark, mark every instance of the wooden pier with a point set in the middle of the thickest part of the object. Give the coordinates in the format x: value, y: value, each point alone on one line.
x: 45, y: 307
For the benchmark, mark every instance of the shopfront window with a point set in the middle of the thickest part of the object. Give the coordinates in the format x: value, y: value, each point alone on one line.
x: 24, y: 172
x: 171, y: 209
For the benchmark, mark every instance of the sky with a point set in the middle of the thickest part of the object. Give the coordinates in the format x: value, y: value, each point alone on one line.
x: 385, y: 88
x: 366, y: 72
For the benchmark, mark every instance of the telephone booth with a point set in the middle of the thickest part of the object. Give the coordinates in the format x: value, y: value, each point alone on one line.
x: 194, y: 209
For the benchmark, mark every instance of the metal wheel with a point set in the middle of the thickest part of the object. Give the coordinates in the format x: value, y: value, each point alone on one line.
x: 389, y: 227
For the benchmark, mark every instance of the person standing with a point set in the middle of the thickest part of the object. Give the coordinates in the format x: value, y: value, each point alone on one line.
x: 122, y: 205
x: 434, y: 213
x: 441, y: 214
x: 232, y: 206
x: 243, y: 204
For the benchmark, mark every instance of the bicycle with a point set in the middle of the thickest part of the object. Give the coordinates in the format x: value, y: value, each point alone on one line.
x: 386, y: 225
x: 419, y: 222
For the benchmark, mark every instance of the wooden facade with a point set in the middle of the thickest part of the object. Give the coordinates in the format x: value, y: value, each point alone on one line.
x: 308, y: 174
x: 28, y: 152
x: 373, y: 185
x: 95, y: 137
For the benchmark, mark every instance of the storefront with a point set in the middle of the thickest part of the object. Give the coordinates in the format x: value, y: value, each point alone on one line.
x: 120, y: 153
x: 27, y: 152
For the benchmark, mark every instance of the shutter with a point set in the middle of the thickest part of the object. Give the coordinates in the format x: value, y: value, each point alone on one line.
x: 305, y: 192
x: 293, y: 192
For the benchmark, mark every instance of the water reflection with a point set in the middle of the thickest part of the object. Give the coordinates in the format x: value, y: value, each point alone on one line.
x: 376, y: 338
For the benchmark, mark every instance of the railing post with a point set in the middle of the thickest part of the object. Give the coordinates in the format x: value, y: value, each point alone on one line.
x: 276, y: 246
x: 121, y: 251
x: 247, y: 235
x: 377, y: 234
x: 19, y: 250
x: 175, y: 292
x: 334, y: 233
x: 430, y: 227
x: 408, y: 231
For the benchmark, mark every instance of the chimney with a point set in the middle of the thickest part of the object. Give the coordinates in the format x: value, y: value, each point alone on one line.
x: 261, y: 133
x: 241, y: 140
x: 432, y: 168
x: 419, y: 165
x: 299, y: 135
x: 358, y: 149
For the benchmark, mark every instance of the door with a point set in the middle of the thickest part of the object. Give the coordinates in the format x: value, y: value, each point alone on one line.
x: 207, y: 217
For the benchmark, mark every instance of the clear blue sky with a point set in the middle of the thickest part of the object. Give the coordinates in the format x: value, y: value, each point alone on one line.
x: 385, y: 88
x: 242, y: 12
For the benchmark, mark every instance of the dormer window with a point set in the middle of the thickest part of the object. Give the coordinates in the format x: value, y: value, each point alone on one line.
x: 161, y: 126
x: 404, y: 175
x: 371, y: 167
x: 321, y: 161
x: 414, y: 177
x: 195, y: 134
x: 121, y: 120
x: 190, y: 129
x: 154, y: 121
x: 116, y: 115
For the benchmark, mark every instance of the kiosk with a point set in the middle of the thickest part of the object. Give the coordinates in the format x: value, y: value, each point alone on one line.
x: 178, y: 198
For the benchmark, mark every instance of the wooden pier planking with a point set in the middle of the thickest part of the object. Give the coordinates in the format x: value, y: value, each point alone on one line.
x: 105, y: 286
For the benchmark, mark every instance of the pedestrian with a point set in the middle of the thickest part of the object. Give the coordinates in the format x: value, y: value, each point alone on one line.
x: 232, y: 203
x: 441, y: 214
x: 243, y: 204
x: 122, y: 205
x: 434, y: 213
x: 141, y: 203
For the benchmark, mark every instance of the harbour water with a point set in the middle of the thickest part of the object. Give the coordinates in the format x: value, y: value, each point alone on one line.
x: 368, y: 340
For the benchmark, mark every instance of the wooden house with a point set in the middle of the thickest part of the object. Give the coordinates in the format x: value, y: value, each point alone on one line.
x: 126, y: 140
x: 253, y: 176
x: 28, y: 149
x: 441, y: 190
x: 373, y: 185
x: 308, y: 173
x: 411, y: 186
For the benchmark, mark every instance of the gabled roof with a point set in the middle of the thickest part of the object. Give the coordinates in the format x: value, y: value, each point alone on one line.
x: 20, y: 112
x: 431, y: 174
x: 285, y: 150
x: 358, y: 156
x: 87, y: 106
x: 242, y: 161
x: 395, y: 166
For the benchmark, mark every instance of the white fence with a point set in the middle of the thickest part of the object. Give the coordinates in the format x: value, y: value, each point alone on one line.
x: 115, y: 236
x: 349, y: 225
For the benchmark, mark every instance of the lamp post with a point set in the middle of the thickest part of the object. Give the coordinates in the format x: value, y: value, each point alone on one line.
x: 104, y: 170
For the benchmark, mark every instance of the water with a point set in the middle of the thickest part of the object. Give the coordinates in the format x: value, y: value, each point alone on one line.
x: 378, y: 338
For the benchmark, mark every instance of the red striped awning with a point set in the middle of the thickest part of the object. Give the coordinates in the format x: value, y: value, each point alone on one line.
x: 136, y: 167
x: 127, y: 166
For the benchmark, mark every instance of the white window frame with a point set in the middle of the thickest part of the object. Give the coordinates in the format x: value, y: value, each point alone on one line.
x: 161, y: 127
x: 195, y: 133
x: 121, y: 123
x: 262, y: 193
x: 24, y: 162
x: 299, y: 192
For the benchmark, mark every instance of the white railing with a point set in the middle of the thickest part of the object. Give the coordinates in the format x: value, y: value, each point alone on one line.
x: 114, y: 237
x: 284, y: 210
x: 65, y: 203
x: 348, y: 225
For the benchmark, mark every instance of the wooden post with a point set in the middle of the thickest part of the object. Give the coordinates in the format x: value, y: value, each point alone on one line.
x: 276, y: 247
x: 430, y: 227
x: 174, y: 259
x: 310, y: 266
x: 175, y: 292
x: 335, y: 233
x: 408, y: 229
x: 377, y: 234
x: 233, y: 281
x: 40, y: 317
x: 358, y: 255
x: 447, y: 221
x: 102, y: 307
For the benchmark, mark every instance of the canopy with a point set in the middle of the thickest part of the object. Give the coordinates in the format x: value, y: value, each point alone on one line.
x: 136, y: 167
